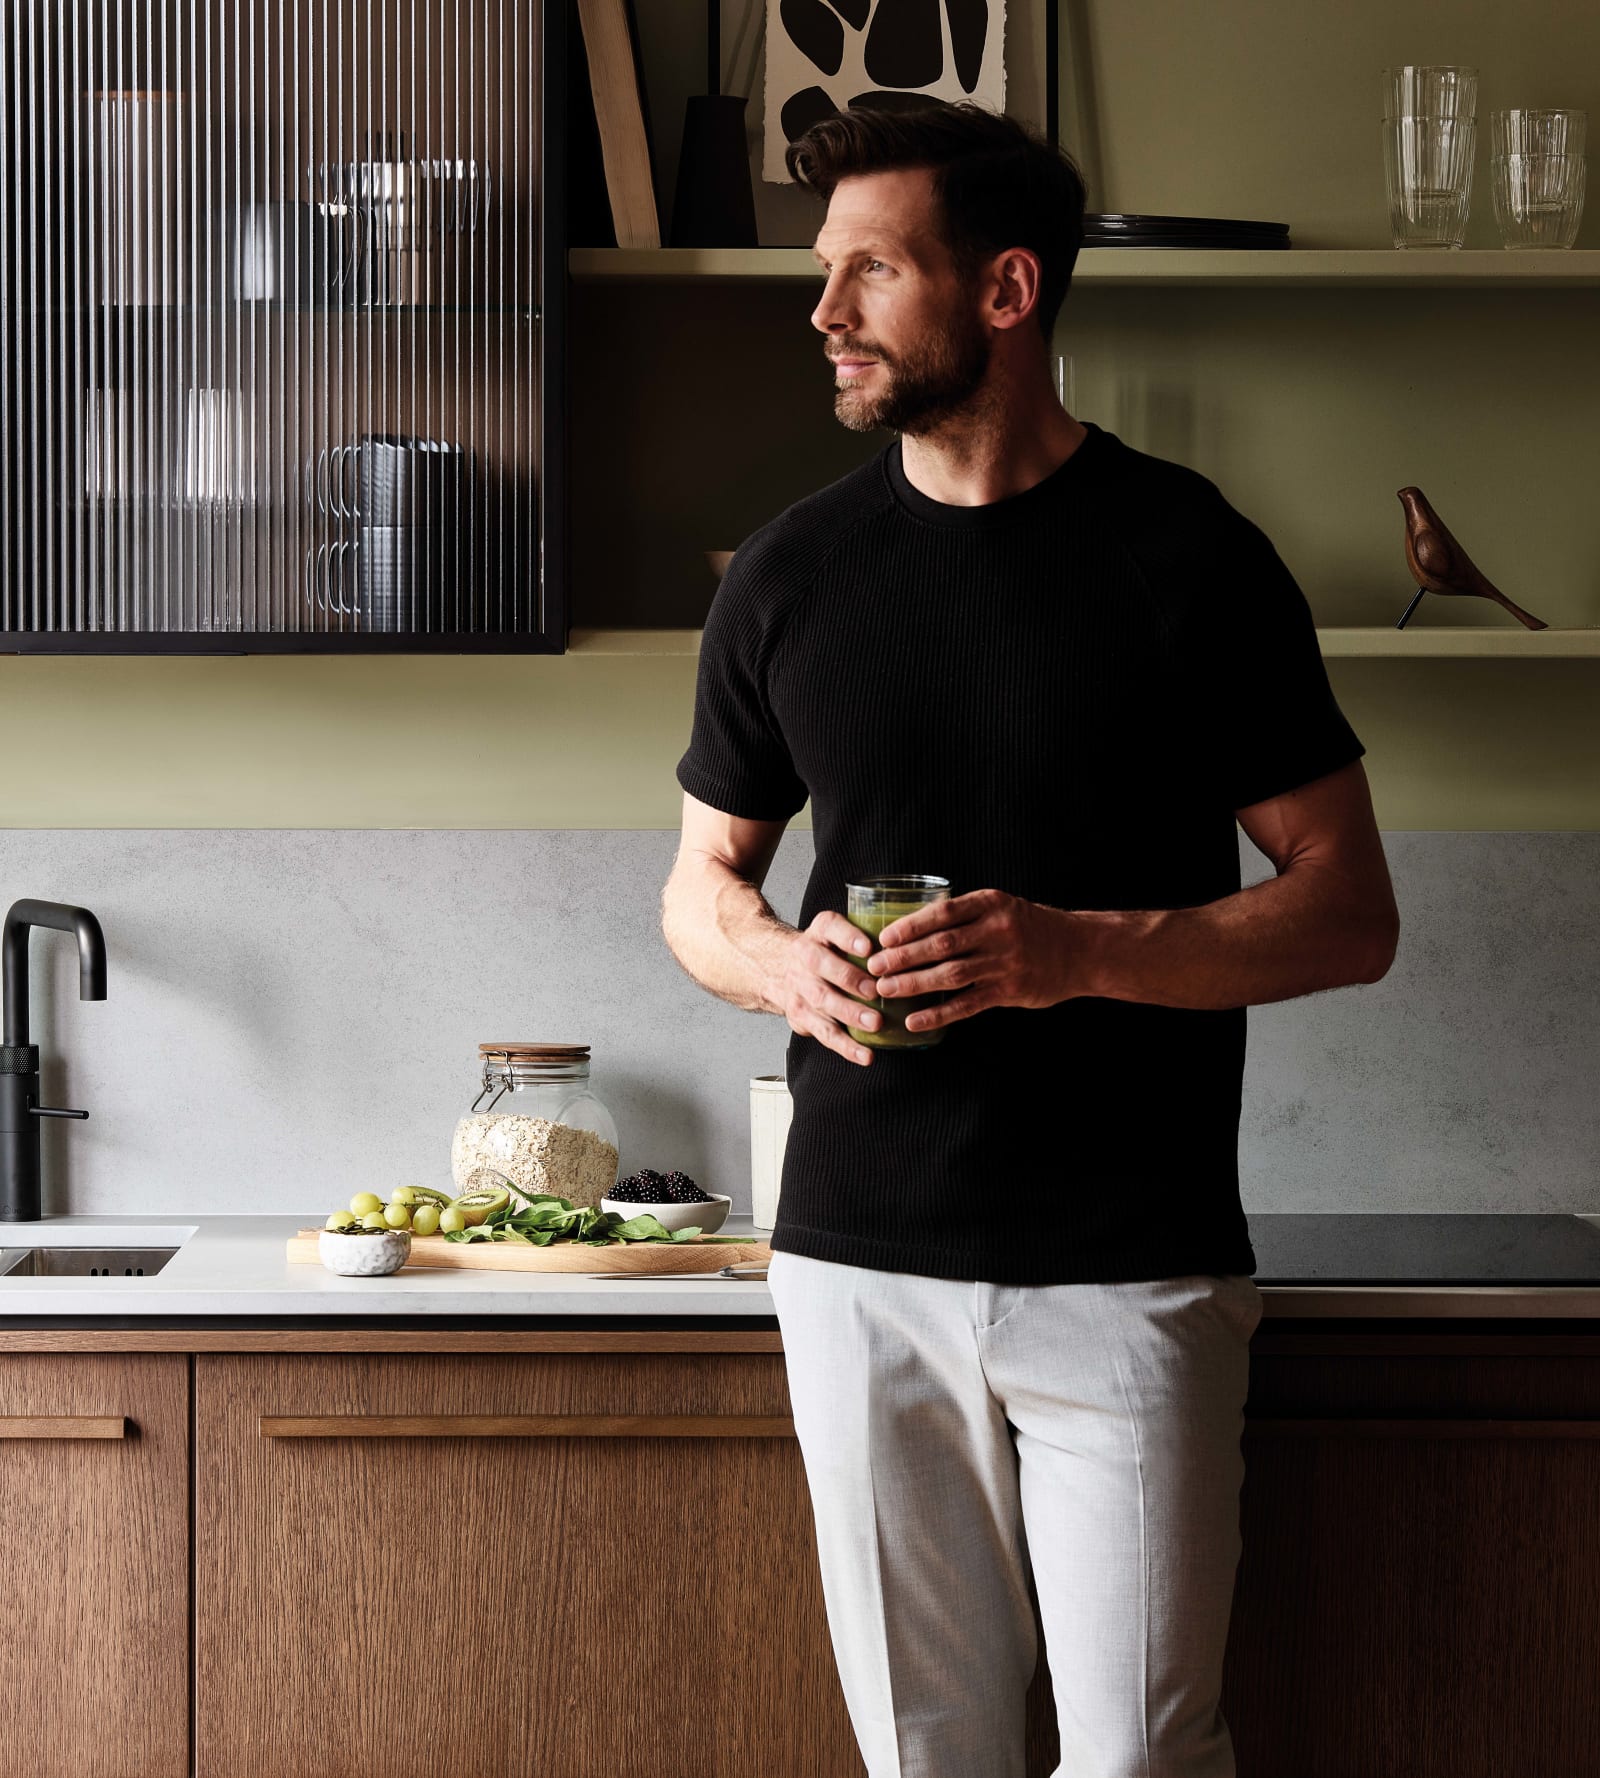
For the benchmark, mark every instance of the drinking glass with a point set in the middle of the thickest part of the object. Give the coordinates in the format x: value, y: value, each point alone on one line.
x: 872, y: 904
x: 1431, y: 89
x: 218, y: 461
x: 111, y: 432
x: 1549, y: 131
x: 1537, y: 175
x: 1429, y: 134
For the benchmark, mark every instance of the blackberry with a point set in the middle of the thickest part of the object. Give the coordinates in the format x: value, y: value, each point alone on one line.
x: 643, y: 1187
x: 650, y: 1187
x: 681, y: 1189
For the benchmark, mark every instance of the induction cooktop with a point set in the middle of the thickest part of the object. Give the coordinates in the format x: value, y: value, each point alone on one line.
x: 1468, y: 1247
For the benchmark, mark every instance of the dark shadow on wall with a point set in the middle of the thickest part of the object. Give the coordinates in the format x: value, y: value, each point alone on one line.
x: 697, y: 414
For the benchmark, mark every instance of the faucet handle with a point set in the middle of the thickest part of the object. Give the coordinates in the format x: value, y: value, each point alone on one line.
x: 54, y: 1111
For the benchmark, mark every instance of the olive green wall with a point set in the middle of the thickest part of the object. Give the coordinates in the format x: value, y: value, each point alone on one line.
x: 699, y: 412
x: 580, y: 743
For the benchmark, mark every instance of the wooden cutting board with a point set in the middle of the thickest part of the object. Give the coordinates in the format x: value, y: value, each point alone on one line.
x: 430, y: 1252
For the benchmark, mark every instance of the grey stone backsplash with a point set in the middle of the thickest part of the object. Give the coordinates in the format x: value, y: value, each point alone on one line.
x: 293, y: 1016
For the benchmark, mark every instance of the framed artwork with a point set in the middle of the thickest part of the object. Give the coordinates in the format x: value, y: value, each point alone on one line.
x: 827, y: 55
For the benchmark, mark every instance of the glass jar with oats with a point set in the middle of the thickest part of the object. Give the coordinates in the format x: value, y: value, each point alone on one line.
x: 537, y: 1123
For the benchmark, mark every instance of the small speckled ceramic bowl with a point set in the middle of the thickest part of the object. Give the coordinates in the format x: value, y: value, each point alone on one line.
x: 708, y: 1218
x: 374, y: 1254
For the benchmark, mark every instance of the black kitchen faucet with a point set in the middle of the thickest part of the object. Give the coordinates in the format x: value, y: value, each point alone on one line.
x: 20, y: 1109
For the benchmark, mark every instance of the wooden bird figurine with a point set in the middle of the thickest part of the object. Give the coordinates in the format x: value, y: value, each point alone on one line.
x: 1440, y: 565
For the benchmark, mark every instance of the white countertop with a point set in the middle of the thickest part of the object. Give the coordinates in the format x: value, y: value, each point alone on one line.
x: 237, y: 1266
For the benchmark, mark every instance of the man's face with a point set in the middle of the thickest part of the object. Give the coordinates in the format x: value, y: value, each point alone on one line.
x: 900, y: 327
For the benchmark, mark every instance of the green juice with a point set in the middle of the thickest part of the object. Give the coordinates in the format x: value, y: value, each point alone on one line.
x: 892, y: 1033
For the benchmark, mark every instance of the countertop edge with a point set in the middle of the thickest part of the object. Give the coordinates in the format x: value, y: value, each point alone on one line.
x: 235, y: 1269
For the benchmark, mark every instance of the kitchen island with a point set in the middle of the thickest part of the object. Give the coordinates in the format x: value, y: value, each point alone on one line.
x: 280, y: 1522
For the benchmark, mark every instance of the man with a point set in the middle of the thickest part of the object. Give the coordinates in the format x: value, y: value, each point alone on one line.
x: 1012, y: 1271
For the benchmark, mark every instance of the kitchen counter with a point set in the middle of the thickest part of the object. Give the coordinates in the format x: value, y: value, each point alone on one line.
x: 1400, y: 1265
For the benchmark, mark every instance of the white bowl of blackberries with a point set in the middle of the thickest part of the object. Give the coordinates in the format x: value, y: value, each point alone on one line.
x: 673, y: 1199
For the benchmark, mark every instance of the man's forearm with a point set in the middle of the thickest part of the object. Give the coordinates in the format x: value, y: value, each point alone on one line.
x: 1293, y: 934
x: 720, y: 927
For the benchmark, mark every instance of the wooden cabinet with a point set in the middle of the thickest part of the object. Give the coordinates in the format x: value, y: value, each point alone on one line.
x: 1421, y: 1562
x: 94, y: 1587
x: 578, y: 1552
x: 447, y: 1566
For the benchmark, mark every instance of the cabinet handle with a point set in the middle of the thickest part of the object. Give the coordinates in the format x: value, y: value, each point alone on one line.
x: 63, y: 1426
x: 527, y: 1426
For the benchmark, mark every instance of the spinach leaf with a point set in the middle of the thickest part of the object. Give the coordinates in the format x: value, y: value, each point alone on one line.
x: 545, y: 1218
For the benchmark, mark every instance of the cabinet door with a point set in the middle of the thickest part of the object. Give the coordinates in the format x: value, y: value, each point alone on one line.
x: 279, y: 367
x: 1417, y: 1597
x: 458, y: 1583
x: 94, y: 1628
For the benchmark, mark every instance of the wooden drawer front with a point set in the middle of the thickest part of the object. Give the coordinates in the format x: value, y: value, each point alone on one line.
x: 94, y: 1626
x: 461, y: 1586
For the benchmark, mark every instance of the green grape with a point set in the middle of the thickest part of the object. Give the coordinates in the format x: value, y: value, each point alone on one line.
x: 403, y: 1194
x: 364, y: 1202
x: 341, y: 1219
x: 425, y: 1219
x: 374, y: 1220
x: 398, y: 1216
x: 451, y: 1219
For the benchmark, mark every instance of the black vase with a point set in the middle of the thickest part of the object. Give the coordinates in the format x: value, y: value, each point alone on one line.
x: 714, y: 205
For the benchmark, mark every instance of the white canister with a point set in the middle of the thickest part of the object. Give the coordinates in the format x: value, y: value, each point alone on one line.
x: 770, y: 1111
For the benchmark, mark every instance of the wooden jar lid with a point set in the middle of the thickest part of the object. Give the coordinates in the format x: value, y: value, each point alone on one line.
x: 537, y: 1052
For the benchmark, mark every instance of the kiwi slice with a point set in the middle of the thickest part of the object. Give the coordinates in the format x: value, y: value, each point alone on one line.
x: 425, y: 1194
x: 482, y: 1202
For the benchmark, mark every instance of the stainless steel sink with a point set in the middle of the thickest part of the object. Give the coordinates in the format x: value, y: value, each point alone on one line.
x: 83, y: 1262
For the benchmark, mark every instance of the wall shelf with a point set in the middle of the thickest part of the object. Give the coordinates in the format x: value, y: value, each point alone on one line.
x: 1459, y: 641
x: 633, y: 642
x: 1358, y: 268
x: 1344, y: 641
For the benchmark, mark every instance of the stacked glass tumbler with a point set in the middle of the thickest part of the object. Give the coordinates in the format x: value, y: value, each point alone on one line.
x: 1429, y: 132
x: 1536, y: 176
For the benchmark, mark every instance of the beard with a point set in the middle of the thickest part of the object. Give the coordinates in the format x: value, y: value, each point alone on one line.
x: 923, y: 387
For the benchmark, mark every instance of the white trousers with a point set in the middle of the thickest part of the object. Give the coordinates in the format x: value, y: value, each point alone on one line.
x: 970, y: 1447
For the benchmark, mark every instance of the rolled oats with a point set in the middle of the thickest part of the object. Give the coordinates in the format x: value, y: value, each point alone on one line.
x: 535, y: 1154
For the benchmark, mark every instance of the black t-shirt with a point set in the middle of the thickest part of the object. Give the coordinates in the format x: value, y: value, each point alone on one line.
x: 1065, y: 694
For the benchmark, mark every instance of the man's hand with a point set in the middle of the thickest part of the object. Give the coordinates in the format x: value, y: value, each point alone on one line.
x: 986, y: 948
x: 817, y: 964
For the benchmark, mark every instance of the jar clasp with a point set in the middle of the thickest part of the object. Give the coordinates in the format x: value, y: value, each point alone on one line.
x: 490, y: 1077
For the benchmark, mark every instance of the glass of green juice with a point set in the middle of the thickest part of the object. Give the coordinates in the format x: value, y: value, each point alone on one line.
x: 872, y: 904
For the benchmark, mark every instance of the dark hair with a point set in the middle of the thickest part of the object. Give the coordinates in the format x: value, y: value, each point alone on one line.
x: 997, y: 182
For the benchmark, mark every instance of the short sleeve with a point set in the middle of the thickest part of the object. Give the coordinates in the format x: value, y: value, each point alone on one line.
x: 738, y: 760
x: 1269, y: 719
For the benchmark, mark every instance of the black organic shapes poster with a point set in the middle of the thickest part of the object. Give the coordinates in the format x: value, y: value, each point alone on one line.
x: 827, y: 55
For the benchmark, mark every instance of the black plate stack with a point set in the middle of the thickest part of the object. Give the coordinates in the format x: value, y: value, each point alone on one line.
x: 1127, y: 229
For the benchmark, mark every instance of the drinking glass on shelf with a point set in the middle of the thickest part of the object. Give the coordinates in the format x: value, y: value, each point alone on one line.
x: 218, y: 465
x: 1429, y: 134
x: 1537, y: 175
x: 1430, y: 89
x: 110, y: 431
x: 139, y: 195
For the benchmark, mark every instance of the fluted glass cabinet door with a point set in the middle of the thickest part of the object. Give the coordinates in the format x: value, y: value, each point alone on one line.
x: 281, y: 335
